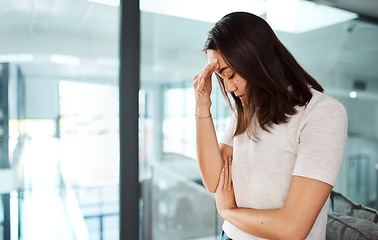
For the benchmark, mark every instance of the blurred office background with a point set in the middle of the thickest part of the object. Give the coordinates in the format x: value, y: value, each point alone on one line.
x: 59, y: 109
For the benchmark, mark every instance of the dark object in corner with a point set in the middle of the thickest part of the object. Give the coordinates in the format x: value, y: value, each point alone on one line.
x: 350, y: 221
x: 341, y: 204
x: 342, y: 227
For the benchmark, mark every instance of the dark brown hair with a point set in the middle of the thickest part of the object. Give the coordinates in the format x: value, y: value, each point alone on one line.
x: 276, y: 83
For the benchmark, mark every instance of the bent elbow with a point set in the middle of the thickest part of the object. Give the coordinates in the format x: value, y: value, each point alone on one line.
x: 210, y: 187
x: 295, y: 237
x: 296, y: 232
x: 212, y: 190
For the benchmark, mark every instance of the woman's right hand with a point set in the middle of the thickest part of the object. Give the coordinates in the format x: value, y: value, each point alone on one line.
x: 202, y: 86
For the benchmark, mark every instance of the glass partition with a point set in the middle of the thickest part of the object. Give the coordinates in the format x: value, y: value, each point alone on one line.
x: 340, y: 52
x: 63, y: 97
x: 342, y: 57
x: 64, y: 100
x: 1, y: 219
x: 176, y: 205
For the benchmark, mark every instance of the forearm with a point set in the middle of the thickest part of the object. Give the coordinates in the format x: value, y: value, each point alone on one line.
x: 208, y: 152
x: 269, y: 224
x: 294, y: 220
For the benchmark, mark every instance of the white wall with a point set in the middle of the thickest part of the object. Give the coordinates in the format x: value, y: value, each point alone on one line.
x: 368, y: 149
x: 42, y: 98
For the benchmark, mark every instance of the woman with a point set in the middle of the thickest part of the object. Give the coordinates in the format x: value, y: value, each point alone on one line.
x: 276, y: 165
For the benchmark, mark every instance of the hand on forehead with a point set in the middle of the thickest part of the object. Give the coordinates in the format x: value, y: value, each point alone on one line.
x: 222, y: 65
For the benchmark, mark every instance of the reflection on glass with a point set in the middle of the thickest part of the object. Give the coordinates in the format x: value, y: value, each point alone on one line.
x: 1, y: 219
x: 340, y: 52
x: 175, y: 203
x: 89, y: 140
x: 63, y: 61
x: 63, y: 113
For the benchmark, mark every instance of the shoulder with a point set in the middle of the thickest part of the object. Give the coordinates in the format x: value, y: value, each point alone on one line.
x: 325, y: 106
x: 324, y: 118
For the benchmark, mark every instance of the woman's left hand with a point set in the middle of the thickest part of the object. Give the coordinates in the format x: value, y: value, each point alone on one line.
x: 224, y: 195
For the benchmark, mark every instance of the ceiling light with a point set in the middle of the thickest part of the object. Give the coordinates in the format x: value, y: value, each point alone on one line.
x: 16, y: 57
x: 64, y: 59
x: 298, y: 16
x: 114, y: 3
x: 207, y: 11
x: 353, y: 94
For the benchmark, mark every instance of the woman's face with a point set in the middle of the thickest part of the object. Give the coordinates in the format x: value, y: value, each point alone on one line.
x: 233, y: 82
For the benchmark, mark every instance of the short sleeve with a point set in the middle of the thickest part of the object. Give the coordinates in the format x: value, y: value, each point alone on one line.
x: 322, y: 142
x: 228, y: 137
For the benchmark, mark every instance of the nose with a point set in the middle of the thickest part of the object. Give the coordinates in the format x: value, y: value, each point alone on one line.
x: 229, y: 86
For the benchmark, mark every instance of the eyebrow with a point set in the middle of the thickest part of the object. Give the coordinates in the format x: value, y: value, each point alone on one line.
x: 222, y: 69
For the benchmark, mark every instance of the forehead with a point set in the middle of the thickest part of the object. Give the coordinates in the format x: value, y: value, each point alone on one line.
x: 213, y: 54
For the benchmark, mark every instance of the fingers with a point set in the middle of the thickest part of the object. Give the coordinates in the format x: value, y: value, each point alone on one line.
x: 201, y: 86
x: 195, y: 78
x: 226, y: 173
x: 198, y: 84
x: 230, y: 171
x: 228, y: 176
x: 221, y: 179
x: 209, y: 69
x: 195, y: 81
x: 225, y: 178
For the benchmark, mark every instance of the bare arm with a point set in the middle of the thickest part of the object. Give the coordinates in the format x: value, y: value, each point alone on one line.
x: 294, y: 220
x: 208, y: 151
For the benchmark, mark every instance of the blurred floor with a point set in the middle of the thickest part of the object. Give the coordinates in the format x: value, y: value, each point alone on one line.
x: 43, y: 216
x: 42, y: 211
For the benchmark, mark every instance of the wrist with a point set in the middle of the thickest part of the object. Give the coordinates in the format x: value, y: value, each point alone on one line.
x: 225, y: 213
x: 203, y: 112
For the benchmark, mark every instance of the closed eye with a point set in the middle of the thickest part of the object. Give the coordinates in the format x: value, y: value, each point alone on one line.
x: 230, y: 77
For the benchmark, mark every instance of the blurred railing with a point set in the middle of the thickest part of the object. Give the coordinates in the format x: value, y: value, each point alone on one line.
x: 99, y: 204
x: 180, y: 206
x: 87, y: 203
x: 74, y: 214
